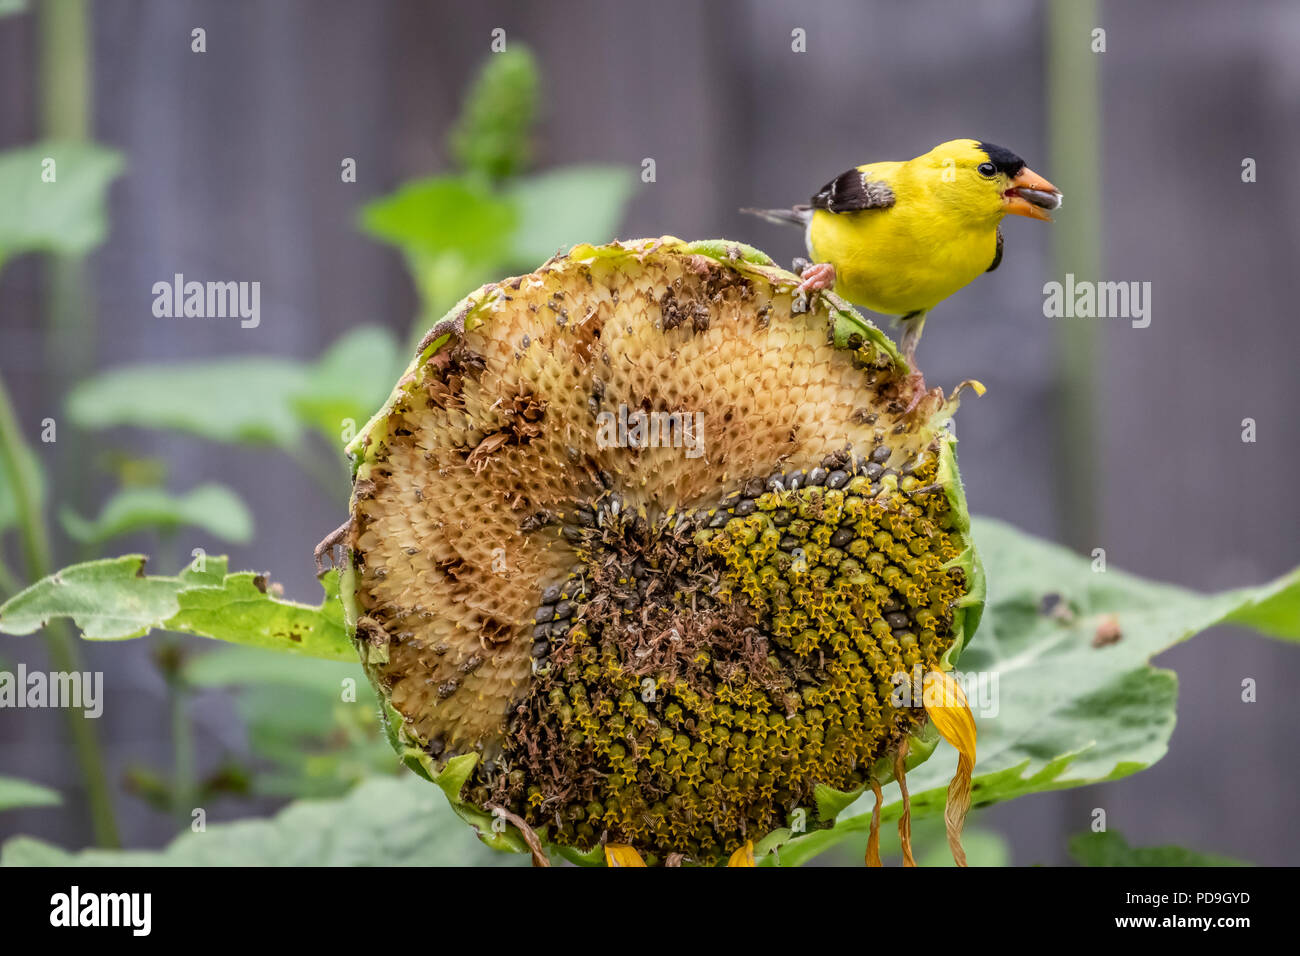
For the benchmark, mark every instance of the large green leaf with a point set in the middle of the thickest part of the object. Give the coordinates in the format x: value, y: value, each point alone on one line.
x: 1111, y: 849
x: 231, y: 400
x: 455, y: 216
x: 234, y: 666
x: 348, y: 383
x: 382, y: 822
x: 315, y: 721
x: 211, y: 507
x: 64, y: 216
x: 16, y: 793
x: 113, y: 599
x: 254, y: 400
x: 565, y: 206
x: 1069, y: 712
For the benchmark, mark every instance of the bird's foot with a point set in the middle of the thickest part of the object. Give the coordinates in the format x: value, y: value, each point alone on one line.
x: 817, y: 277
x: 325, y: 550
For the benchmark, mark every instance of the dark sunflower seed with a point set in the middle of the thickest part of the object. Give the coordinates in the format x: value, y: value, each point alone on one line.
x: 842, y: 537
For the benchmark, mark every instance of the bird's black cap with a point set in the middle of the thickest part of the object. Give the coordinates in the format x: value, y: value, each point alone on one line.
x: 1003, y: 159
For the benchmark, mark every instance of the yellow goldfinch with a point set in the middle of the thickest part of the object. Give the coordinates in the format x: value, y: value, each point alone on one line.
x: 898, y: 238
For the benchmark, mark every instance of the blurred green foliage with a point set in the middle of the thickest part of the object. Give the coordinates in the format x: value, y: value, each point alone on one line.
x: 212, y: 508
x: 494, y: 133
x: 15, y: 793
x: 1109, y: 848
x: 312, y: 724
x: 52, y: 197
x: 462, y: 229
x: 455, y: 231
x: 382, y: 823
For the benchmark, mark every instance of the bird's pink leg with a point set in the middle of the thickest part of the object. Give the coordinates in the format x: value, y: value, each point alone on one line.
x: 915, y: 386
x: 818, y: 276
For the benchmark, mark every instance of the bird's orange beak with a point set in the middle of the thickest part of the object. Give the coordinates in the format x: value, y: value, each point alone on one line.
x: 1031, y: 195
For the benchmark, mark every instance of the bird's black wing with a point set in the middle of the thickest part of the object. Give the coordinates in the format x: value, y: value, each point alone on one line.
x: 997, y: 255
x: 852, y: 192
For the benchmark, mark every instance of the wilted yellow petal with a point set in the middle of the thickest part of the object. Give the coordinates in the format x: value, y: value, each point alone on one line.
x: 744, y: 856
x: 946, y: 704
x: 904, y: 821
x: 873, y: 840
x: 975, y: 386
x: 618, y: 854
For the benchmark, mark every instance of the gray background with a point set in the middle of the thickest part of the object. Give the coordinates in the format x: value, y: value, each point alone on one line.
x: 233, y: 173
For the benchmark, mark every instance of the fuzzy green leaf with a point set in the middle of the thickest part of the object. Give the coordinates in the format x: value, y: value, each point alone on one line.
x: 64, y: 216
x: 1068, y: 713
x: 382, y: 822
x: 16, y: 793
x: 113, y: 599
x: 212, y: 508
x: 1111, y: 849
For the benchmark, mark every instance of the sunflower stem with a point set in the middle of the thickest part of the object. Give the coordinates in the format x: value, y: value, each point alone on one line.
x: 1074, y: 132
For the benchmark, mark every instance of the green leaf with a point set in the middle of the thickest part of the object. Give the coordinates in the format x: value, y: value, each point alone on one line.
x: 320, y: 741
x: 236, y: 666
x: 10, y: 7
x: 382, y: 822
x: 491, y: 136
x: 16, y: 793
x: 213, y: 508
x: 562, y: 207
x: 983, y: 848
x: 444, y: 216
x: 1111, y: 849
x: 1068, y: 713
x: 64, y: 216
x: 349, y: 382
x: 245, y: 399
x: 113, y: 599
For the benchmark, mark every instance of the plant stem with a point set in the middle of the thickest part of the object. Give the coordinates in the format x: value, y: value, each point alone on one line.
x: 171, y: 654
x: 9, y: 585
x: 183, y: 788
x: 1074, y: 126
x: 61, y: 645
x: 64, y: 33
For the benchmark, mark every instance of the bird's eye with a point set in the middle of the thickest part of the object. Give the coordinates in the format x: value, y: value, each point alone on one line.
x: 987, y: 169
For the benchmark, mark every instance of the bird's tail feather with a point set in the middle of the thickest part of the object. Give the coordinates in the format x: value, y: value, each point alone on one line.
x: 796, y: 216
